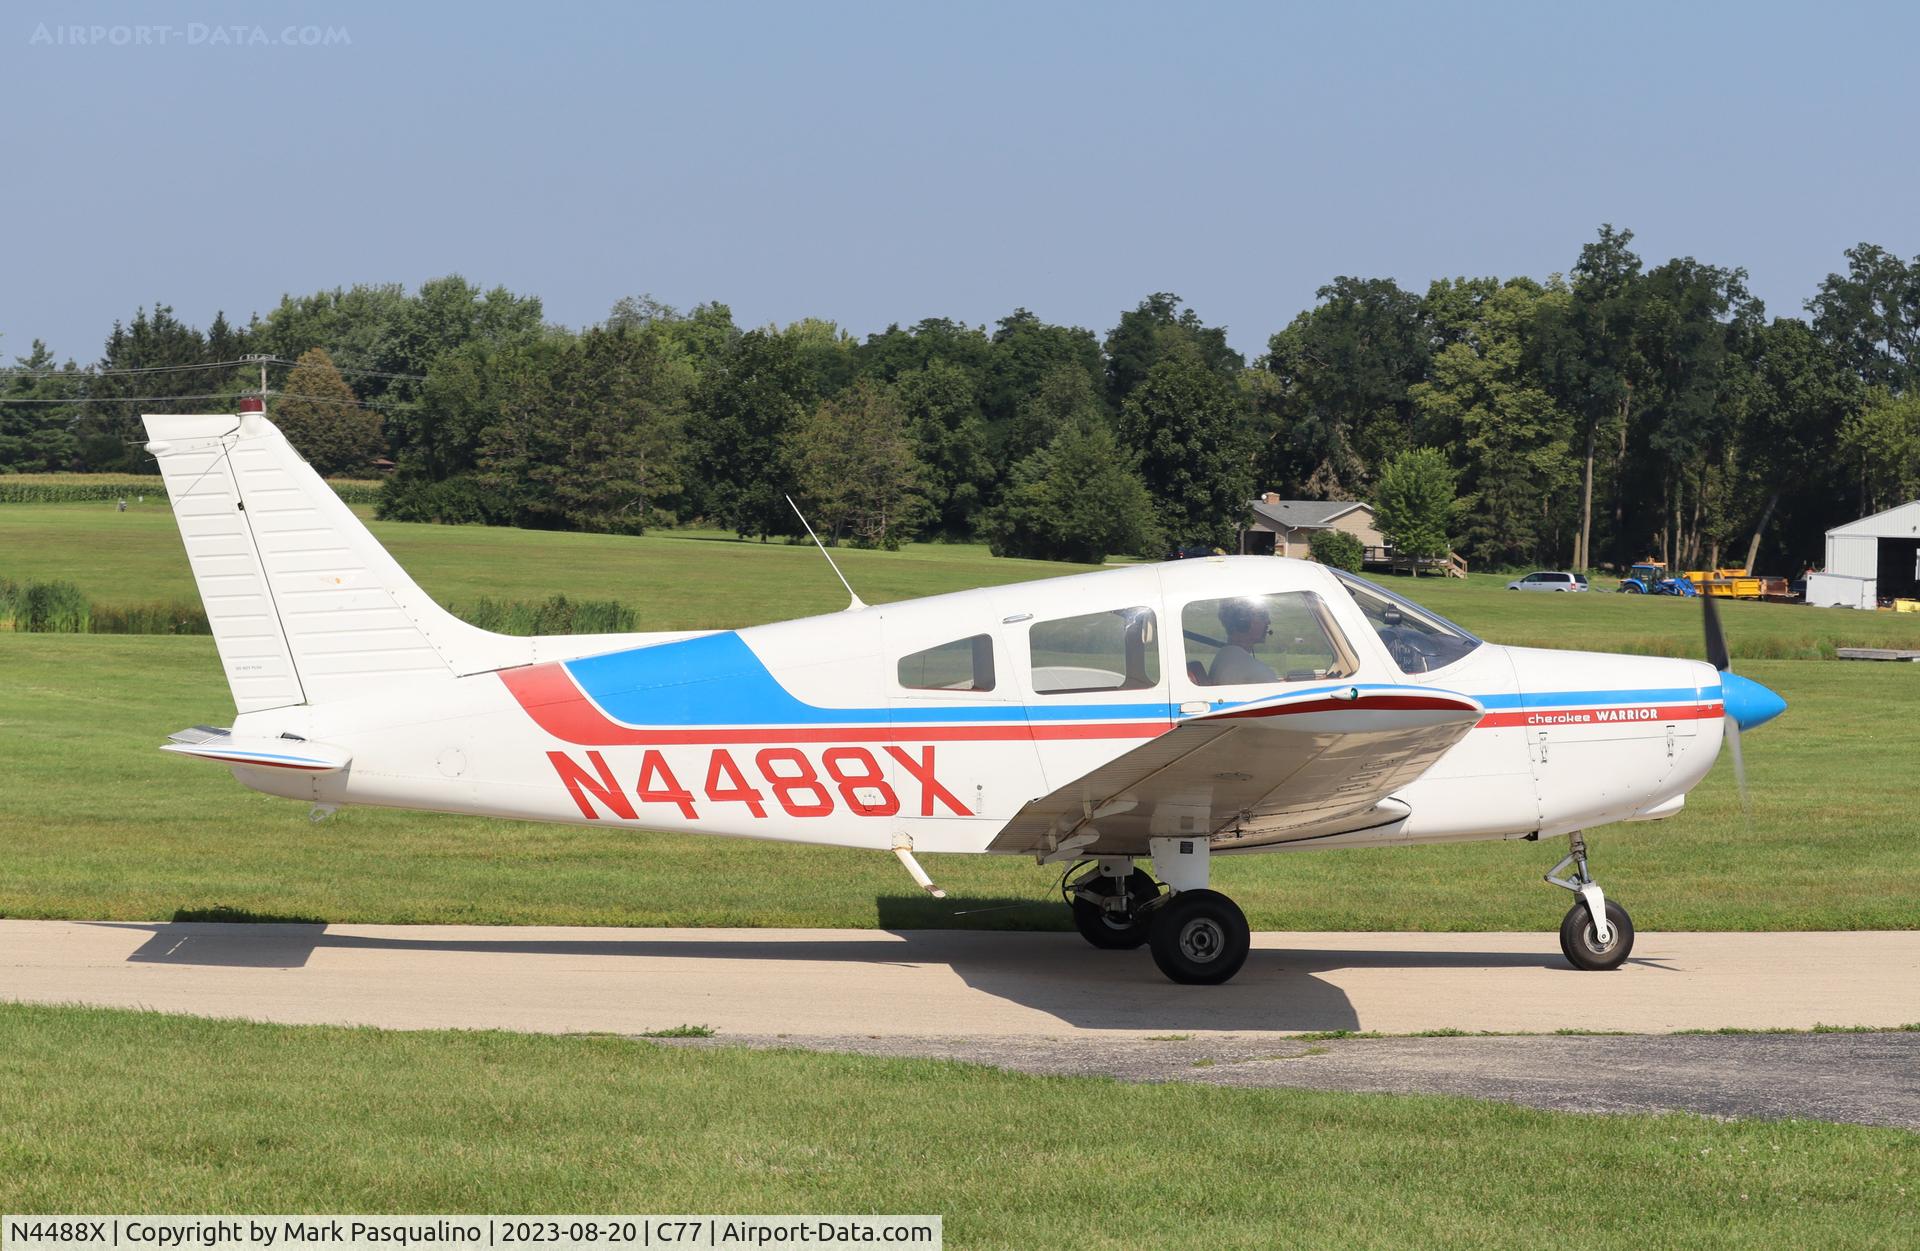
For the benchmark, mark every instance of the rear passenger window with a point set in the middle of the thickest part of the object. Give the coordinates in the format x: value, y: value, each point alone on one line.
x: 1101, y: 651
x: 962, y: 665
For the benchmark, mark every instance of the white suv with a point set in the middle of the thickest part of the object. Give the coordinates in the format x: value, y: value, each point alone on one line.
x: 1549, y: 582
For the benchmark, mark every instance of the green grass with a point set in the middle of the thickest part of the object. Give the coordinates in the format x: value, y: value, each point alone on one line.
x: 674, y: 580
x: 1658, y: 625
x: 94, y: 822
x: 129, y: 1112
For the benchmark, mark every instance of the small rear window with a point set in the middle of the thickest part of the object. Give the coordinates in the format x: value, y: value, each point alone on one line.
x: 962, y: 665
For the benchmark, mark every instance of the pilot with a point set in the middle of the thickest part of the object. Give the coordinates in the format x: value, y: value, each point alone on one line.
x: 1247, y: 624
x: 1404, y: 643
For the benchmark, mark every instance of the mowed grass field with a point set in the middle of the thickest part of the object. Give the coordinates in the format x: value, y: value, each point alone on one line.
x: 682, y: 580
x: 96, y: 823
x: 112, y: 1111
x: 676, y: 580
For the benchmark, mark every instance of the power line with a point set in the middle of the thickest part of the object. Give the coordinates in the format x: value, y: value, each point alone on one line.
x: 14, y: 371
x: 219, y: 395
x: 351, y: 369
x: 22, y: 372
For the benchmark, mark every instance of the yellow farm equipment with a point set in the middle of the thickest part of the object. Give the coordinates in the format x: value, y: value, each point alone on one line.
x: 1736, y: 584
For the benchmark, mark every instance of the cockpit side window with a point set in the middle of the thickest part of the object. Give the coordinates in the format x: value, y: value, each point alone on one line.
x: 1284, y: 637
x: 1418, y: 640
x: 1101, y: 651
x: 962, y: 665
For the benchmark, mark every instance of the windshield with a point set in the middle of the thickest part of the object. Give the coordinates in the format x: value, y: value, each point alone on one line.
x: 1418, y: 640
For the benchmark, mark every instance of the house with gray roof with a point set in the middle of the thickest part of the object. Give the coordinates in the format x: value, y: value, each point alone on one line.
x: 1277, y: 527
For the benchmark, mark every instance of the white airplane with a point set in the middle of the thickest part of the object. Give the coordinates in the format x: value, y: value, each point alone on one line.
x: 1160, y: 714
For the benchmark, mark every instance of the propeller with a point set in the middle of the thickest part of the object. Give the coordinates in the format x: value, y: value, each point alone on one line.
x: 1717, y: 656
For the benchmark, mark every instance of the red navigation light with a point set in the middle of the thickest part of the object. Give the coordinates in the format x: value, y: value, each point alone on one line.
x: 252, y: 404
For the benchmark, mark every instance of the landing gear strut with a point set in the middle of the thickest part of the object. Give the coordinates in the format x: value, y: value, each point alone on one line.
x: 1113, y: 904
x: 1596, y: 934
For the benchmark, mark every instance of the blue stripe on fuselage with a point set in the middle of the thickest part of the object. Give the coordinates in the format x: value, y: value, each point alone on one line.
x: 717, y: 680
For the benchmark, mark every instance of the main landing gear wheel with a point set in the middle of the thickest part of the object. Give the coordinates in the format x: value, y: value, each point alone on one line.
x: 1582, y: 947
x: 1199, y: 937
x: 1115, y: 929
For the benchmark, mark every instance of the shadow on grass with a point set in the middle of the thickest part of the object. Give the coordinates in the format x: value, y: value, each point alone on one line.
x: 220, y: 914
x: 924, y: 912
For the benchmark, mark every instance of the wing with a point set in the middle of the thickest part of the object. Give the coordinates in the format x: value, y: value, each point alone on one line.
x: 1295, y: 766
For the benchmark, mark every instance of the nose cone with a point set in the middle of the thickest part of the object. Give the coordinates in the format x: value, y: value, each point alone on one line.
x: 1748, y: 702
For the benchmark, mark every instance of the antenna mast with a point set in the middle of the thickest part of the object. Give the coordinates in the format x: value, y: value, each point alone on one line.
x: 857, y: 603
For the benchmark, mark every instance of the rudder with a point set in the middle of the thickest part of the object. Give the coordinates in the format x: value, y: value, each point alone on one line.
x: 305, y: 605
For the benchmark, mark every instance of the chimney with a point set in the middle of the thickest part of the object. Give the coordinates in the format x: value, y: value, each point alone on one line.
x: 1271, y: 497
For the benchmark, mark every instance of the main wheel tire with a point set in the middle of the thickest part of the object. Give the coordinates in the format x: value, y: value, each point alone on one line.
x: 1118, y: 931
x: 1199, y: 937
x: 1631, y: 589
x: 1583, y: 950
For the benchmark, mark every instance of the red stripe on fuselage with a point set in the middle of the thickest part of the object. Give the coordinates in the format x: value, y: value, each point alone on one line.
x: 1365, y: 703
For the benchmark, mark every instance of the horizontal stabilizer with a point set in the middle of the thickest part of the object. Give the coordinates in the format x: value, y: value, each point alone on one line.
x: 205, y: 742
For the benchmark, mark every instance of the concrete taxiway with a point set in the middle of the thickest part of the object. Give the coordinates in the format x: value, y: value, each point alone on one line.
x: 950, y: 983
x: 1047, y: 1003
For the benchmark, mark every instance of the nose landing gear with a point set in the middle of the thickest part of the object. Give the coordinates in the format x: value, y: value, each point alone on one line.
x: 1596, y: 934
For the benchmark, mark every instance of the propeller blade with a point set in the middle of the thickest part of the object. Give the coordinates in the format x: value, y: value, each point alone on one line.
x: 1716, y: 638
x: 1739, y: 761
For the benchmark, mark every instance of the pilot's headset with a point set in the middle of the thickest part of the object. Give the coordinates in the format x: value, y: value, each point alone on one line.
x: 1237, y: 614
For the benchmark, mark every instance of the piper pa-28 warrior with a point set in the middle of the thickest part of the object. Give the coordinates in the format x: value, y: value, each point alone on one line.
x: 1156, y: 715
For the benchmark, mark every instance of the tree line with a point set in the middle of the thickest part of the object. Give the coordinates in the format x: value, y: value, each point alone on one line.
x: 1591, y: 418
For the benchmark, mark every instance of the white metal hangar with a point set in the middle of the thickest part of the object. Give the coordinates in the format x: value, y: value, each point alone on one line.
x: 1885, y: 547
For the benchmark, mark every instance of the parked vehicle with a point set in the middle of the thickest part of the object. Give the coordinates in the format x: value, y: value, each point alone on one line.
x: 1650, y: 577
x: 1549, y: 581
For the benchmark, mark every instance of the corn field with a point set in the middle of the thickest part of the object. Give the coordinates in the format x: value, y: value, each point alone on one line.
x: 84, y: 488
x: 62, y: 608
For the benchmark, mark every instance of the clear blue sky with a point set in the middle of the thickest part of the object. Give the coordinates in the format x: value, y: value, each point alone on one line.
x: 887, y: 162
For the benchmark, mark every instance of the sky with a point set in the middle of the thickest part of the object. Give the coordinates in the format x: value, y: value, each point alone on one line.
x: 878, y: 163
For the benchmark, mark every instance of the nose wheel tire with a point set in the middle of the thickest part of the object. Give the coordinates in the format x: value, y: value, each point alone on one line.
x: 1583, y: 950
x: 1199, y: 937
x: 1116, y: 931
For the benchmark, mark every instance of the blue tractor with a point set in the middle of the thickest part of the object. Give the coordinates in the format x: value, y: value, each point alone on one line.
x: 1651, y: 578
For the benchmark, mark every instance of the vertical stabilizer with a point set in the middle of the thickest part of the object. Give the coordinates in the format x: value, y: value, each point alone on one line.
x: 306, y: 606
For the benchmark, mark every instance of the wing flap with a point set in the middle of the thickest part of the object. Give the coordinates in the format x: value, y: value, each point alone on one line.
x: 1290, y: 767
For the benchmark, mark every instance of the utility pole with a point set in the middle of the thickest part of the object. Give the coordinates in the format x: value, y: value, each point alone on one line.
x: 262, y: 361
